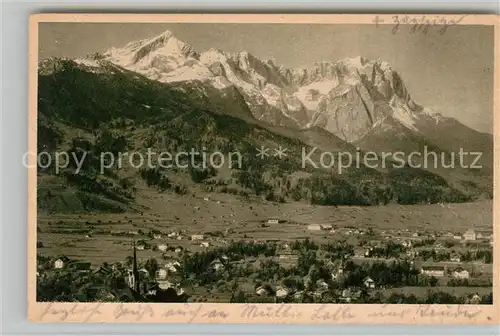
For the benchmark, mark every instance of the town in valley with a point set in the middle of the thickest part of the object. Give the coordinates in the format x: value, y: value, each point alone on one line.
x: 411, y: 225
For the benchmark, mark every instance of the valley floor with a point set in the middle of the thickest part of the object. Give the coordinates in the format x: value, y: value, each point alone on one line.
x: 221, y: 220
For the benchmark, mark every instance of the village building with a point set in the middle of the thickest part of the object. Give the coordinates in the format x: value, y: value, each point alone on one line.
x: 407, y: 243
x: 173, y: 266
x: 369, y: 282
x: 161, y: 274
x: 455, y: 258
x: 282, y: 292
x: 131, y: 278
x: 162, y: 247
x: 172, y: 235
x: 261, y: 290
x: 60, y: 262
x: 359, y: 252
x: 178, y: 249
x: 349, y: 294
x: 335, y: 275
x: 435, y: 271
x: 337, y: 272
x: 273, y: 221
x: 157, y: 236
x: 217, y: 265
x: 153, y: 289
x: 197, y: 237
x: 205, y: 244
x: 298, y: 295
x: 179, y: 290
x: 321, y: 285
x: 457, y: 237
x: 368, y: 252
x: 474, y: 299
x: 326, y: 227
x: 144, y: 272
x: 470, y: 235
x: 460, y: 273
x: 314, y: 227
x: 411, y: 253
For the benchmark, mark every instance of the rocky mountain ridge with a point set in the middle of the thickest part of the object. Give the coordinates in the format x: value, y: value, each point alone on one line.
x: 346, y: 97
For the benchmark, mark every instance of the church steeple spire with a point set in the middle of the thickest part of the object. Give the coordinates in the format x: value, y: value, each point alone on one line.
x: 135, y: 270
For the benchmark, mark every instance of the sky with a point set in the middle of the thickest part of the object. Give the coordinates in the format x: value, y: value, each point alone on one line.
x: 451, y: 73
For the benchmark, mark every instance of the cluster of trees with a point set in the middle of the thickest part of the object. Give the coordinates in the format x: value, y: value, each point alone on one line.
x: 93, y: 190
x: 389, y: 250
x: 413, y: 186
x: 338, y: 250
x: 197, y: 266
x: 304, y: 245
x: 469, y: 283
x: 465, y: 256
x: 105, y: 284
x: 424, y: 242
x: 486, y: 255
x: 70, y: 284
x: 395, y: 274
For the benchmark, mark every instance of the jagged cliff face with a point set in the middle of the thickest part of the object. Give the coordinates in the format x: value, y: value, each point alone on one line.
x: 358, y: 94
x: 347, y: 98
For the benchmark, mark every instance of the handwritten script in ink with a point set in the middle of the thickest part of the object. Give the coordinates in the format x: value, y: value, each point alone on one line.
x: 419, y: 24
x: 132, y: 311
x: 332, y: 313
x: 63, y: 312
x: 272, y: 313
x: 192, y: 311
x: 454, y: 312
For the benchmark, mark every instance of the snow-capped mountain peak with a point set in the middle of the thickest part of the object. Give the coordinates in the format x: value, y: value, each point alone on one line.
x: 164, y: 44
x: 346, y: 97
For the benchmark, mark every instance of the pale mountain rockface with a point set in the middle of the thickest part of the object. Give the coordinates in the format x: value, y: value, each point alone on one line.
x: 348, y: 98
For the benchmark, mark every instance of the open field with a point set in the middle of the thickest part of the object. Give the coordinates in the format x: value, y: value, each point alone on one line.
x: 236, y: 219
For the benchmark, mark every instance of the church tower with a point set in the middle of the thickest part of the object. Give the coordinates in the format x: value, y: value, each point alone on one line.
x: 133, y: 275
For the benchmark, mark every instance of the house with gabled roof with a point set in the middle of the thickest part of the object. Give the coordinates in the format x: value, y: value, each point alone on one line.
x: 368, y: 282
x: 460, y: 273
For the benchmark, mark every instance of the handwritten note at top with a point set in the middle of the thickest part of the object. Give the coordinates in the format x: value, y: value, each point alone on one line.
x: 419, y: 24
x: 256, y: 313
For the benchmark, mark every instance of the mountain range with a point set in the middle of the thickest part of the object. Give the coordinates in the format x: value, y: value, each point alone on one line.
x: 160, y: 92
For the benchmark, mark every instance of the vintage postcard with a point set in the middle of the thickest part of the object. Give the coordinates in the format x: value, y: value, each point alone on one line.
x: 263, y: 168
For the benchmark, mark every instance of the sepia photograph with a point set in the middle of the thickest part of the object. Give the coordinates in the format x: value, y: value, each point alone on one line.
x: 264, y: 162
